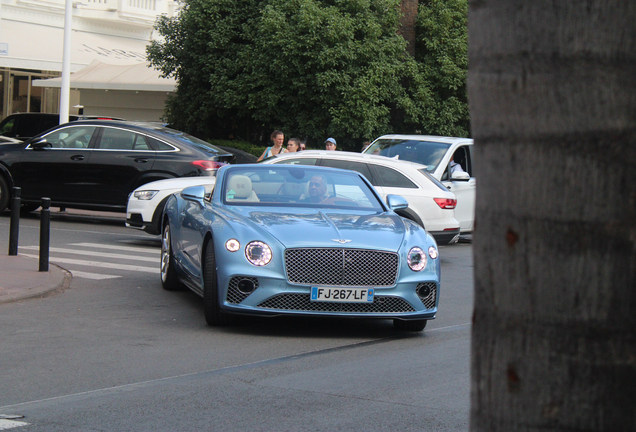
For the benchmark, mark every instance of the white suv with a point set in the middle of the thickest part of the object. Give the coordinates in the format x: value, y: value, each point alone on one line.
x: 435, y: 153
x: 430, y: 204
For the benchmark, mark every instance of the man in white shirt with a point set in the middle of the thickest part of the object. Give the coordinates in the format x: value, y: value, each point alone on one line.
x: 455, y: 167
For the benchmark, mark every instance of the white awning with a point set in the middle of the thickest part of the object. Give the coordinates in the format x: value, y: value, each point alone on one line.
x: 140, y: 77
x: 32, y: 46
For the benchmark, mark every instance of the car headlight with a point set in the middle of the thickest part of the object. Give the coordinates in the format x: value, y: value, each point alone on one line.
x: 416, y: 259
x: 232, y: 245
x: 145, y: 194
x: 432, y: 252
x: 258, y: 253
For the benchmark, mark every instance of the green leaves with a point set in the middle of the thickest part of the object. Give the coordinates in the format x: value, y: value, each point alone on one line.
x: 312, y: 68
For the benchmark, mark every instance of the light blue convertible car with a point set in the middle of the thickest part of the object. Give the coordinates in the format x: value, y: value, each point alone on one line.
x: 299, y: 240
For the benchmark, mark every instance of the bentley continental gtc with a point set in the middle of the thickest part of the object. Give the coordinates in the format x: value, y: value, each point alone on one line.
x: 274, y: 240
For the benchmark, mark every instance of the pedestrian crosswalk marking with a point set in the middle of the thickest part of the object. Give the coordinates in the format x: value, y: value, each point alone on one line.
x: 10, y: 424
x: 155, y: 251
x: 98, y: 254
x: 100, y: 264
x: 94, y: 276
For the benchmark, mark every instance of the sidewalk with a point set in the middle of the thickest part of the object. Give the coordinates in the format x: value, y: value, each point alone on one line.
x: 19, y: 275
x: 20, y: 278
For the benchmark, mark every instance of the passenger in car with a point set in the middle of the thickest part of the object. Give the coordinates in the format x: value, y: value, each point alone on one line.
x: 456, y: 166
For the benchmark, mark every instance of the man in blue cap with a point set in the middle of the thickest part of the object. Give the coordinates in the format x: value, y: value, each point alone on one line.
x: 330, y: 144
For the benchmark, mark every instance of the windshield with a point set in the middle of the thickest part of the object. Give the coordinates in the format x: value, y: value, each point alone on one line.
x: 297, y: 186
x: 429, y: 153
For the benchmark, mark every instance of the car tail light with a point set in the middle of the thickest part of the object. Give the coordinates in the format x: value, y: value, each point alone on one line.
x: 208, y: 165
x: 446, y: 203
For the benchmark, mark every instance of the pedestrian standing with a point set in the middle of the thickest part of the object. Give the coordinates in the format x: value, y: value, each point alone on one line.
x: 278, y: 138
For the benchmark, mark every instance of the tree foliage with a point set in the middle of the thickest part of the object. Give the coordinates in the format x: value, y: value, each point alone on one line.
x: 313, y: 68
x: 442, y: 56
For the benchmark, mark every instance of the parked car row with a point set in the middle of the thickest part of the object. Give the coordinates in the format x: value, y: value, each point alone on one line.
x: 433, y: 204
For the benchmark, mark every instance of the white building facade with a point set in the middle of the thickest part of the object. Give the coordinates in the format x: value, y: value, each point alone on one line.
x: 111, y: 32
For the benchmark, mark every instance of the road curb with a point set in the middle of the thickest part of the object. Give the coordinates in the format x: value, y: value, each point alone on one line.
x: 23, y: 281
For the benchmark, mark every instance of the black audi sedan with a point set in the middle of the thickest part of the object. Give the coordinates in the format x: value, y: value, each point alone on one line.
x: 96, y: 164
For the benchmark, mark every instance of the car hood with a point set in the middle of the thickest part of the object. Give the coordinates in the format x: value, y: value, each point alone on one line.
x: 328, y: 228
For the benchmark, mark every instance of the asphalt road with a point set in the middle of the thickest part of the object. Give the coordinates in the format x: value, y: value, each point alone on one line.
x: 115, y: 352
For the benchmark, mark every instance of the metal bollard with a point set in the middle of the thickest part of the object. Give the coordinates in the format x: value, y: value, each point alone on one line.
x: 15, y: 221
x: 45, y: 234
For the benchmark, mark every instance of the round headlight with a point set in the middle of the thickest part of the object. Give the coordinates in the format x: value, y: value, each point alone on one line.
x: 416, y: 259
x: 232, y: 245
x: 432, y: 252
x: 258, y: 253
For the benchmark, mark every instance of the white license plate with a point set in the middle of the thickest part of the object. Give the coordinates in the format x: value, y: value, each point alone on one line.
x: 342, y: 295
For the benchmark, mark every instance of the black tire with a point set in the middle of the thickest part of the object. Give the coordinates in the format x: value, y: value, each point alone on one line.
x: 5, y: 194
x: 213, y: 314
x: 28, y: 208
x: 411, y: 326
x: 169, y: 279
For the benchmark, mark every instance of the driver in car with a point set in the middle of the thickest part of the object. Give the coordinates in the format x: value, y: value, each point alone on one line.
x: 317, y: 189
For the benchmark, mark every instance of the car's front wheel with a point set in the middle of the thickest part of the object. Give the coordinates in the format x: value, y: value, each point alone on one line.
x: 169, y: 279
x: 213, y: 314
x: 411, y: 325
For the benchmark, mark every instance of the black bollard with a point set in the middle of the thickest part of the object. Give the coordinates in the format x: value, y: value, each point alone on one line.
x: 45, y: 234
x: 15, y: 221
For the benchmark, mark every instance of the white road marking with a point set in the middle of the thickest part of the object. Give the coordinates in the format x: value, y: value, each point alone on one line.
x: 156, y: 251
x: 94, y: 276
x: 100, y: 264
x: 93, y: 253
x: 10, y: 424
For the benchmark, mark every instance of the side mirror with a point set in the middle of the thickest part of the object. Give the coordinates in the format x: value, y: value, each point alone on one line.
x: 460, y: 176
x: 40, y: 143
x: 396, y: 202
x: 194, y: 193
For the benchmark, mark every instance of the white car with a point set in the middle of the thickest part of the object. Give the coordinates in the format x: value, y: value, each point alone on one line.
x: 431, y: 205
x: 435, y: 153
x: 146, y: 203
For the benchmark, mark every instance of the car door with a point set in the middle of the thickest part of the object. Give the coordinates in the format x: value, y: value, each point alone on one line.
x: 192, y: 222
x: 121, y: 157
x: 57, y: 169
x: 389, y: 181
x: 464, y: 190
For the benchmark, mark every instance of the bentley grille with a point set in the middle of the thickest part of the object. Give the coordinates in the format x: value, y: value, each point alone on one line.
x: 341, y: 267
x: 301, y: 302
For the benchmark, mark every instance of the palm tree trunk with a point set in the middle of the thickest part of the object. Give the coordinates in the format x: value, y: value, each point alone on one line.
x: 552, y: 91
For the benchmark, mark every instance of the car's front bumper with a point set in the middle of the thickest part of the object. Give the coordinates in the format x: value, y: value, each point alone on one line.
x: 272, y: 297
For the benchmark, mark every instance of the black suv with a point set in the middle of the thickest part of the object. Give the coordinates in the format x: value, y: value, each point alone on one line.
x: 96, y: 164
x: 24, y: 126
